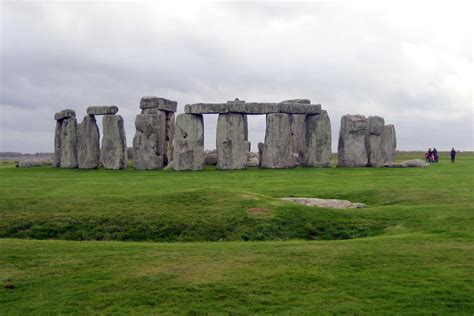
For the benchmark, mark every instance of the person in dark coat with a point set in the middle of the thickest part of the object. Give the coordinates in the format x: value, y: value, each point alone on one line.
x: 453, y: 155
x: 435, y: 155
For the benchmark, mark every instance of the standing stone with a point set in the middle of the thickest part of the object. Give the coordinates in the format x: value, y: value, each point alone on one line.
x: 113, y: 153
x: 351, y: 146
x: 260, y: 147
x: 189, y: 142
x: 230, y: 141
x: 389, y: 144
x: 88, y: 141
x: 298, y: 131
x: 68, y: 156
x: 246, y: 127
x: 149, y: 143
x: 373, y: 142
x: 317, y: 152
x: 169, y: 135
x: 278, y: 148
x: 57, y: 145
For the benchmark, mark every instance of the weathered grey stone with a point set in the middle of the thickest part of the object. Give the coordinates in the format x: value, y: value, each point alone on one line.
x: 278, y: 148
x: 33, y: 163
x: 230, y: 141
x: 299, y: 108
x: 159, y: 103
x: 57, y: 145
x: 326, y: 203
x: 206, y: 108
x: 169, y: 137
x: 248, y: 145
x: 373, y: 141
x: 300, y: 101
x: 68, y: 157
x: 113, y: 153
x: 149, y: 143
x: 210, y: 159
x: 246, y: 127
x: 88, y: 142
x: 414, y: 163
x: 260, y: 147
x: 189, y: 142
x: 351, y: 146
x: 253, y: 162
x: 317, y: 152
x: 64, y: 114
x: 298, y: 131
x: 254, y: 108
x: 389, y: 143
x: 102, y: 110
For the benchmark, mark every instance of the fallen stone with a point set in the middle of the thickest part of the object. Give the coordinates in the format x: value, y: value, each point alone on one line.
x: 88, y: 141
x: 325, y: 203
x: 317, y: 142
x: 64, y: 114
x: 210, y: 159
x: 230, y: 141
x: 253, y: 162
x: 278, y: 148
x: 389, y: 144
x: 149, y: 143
x: 352, y: 151
x: 68, y: 156
x: 189, y: 142
x: 159, y: 103
x: 113, y: 152
x: 33, y: 163
x: 102, y: 110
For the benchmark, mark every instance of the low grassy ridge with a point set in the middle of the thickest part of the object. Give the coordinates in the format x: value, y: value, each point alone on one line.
x: 411, y: 251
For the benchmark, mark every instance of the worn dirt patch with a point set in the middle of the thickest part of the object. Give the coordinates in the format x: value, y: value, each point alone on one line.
x: 326, y: 203
x: 257, y: 210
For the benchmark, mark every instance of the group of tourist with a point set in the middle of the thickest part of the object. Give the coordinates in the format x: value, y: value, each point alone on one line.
x: 432, y: 155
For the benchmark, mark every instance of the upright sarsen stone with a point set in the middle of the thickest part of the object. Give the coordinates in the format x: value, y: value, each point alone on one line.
x: 278, y: 148
x: 113, y: 153
x: 230, y: 141
x: 149, y: 143
x: 57, y: 145
x: 317, y: 143
x: 169, y: 137
x: 351, y: 146
x: 189, y: 142
x: 68, y: 155
x: 88, y: 141
x: 298, y: 130
x: 389, y: 143
x: 373, y: 141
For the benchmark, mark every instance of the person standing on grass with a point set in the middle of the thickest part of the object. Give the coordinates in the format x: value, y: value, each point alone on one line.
x: 435, y: 155
x: 453, y: 155
x: 427, y: 156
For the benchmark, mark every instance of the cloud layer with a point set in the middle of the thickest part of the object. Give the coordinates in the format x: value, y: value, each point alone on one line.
x: 411, y: 64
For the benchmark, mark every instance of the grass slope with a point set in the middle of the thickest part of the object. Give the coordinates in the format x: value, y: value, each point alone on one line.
x: 418, y: 258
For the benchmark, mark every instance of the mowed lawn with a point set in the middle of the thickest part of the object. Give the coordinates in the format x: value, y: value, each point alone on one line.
x: 157, y: 242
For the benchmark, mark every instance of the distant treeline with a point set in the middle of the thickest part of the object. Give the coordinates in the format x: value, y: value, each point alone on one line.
x: 17, y: 154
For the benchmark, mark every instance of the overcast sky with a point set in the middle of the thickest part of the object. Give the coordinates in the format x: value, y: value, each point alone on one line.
x: 410, y: 62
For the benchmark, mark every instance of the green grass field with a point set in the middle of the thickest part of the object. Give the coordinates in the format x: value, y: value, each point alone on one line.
x: 220, y: 242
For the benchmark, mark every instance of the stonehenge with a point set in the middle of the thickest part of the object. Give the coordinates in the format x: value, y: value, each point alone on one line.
x: 65, y: 140
x: 88, y: 142
x: 297, y: 133
x: 113, y: 152
x: 155, y: 128
x: 230, y: 141
x: 365, y: 142
x: 189, y: 142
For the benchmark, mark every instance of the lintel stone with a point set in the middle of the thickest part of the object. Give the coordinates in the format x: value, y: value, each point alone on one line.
x: 159, y: 103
